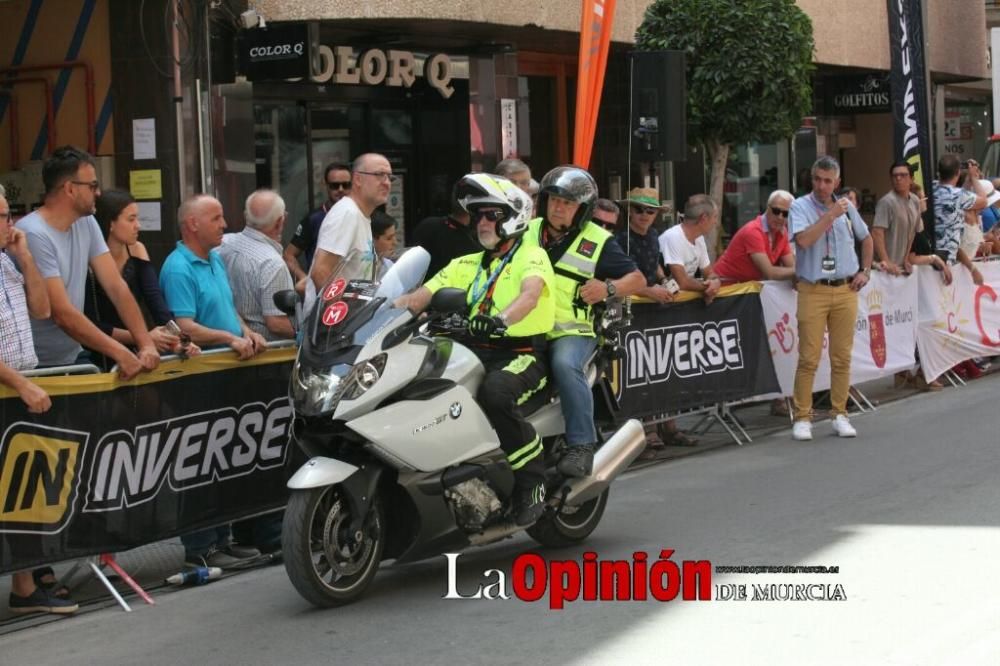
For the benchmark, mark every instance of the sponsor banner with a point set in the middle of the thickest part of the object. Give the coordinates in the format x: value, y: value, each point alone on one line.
x: 908, y: 88
x: 884, y: 333
x: 960, y: 321
x: 687, y: 355
x: 116, y: 465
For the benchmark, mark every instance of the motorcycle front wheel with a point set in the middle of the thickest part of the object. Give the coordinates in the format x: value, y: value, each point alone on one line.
x: 328, y: 565
x: 571, y: 525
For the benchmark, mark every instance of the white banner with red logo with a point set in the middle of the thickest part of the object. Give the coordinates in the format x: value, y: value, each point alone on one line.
x: 884, y: 334
x: 960, y: 321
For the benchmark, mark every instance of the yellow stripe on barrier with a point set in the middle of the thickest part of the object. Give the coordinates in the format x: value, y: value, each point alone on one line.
x: 166, y: 371
x: 737, y: 289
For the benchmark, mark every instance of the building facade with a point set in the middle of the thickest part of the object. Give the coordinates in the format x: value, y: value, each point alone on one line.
x: 464, y: 85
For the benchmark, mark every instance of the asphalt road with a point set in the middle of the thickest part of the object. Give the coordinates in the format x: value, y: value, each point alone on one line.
x: 909, y: 512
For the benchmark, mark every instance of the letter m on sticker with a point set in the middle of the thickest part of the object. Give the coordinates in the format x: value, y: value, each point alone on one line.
x: 39, y: 468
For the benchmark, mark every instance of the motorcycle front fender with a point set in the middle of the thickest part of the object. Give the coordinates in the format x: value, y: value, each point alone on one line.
x: 320, y: 472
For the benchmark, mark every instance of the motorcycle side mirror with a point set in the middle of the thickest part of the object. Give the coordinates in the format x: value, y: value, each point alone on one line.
x: 449, y: 300
x: 286, y: 301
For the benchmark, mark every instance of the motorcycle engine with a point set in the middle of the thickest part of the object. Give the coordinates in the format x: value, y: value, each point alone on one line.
x: 473, y: 503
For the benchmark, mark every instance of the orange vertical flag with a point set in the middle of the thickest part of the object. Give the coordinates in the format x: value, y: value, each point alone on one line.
x: 595, y: 40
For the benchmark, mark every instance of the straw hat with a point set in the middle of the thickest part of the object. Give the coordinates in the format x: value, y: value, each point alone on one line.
x: 645, y: 196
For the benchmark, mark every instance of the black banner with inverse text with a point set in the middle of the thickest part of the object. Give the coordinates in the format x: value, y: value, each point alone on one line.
x: 117, y: 465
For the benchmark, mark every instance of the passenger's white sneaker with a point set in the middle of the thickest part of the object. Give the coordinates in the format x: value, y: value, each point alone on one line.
x: 843, y: 427
x: 802, y: 431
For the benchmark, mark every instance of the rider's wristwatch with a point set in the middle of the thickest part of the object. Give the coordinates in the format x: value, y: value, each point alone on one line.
x: 611, y: 288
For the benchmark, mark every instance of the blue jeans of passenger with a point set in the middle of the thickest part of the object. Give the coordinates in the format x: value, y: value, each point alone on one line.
x: 567, y: 356
x: 197, y: 544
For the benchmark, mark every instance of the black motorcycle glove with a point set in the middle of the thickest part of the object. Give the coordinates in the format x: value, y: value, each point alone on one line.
x: 484, y: 326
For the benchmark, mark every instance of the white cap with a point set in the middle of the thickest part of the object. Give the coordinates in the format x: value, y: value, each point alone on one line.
x: 992, y: 195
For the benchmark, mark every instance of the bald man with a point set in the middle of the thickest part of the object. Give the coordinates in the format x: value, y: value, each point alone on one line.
x: 195, y: 284
x: 348, y: 226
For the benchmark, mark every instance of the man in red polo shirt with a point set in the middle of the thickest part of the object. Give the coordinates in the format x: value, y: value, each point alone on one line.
x: 760, y: 249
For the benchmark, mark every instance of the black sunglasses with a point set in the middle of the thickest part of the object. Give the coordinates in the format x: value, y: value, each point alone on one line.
x: 490, y: 215
x: 338, y: 185
x: 643, y: 210
x: 781, y: 212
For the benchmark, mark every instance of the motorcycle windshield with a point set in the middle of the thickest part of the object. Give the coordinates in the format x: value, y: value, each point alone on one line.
x: 351, y: 307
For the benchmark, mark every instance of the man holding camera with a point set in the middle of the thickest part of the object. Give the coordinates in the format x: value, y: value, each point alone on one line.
x: 950, y: 205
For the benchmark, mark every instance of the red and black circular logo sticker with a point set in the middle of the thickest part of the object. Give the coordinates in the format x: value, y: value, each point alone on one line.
x: 335, y: 313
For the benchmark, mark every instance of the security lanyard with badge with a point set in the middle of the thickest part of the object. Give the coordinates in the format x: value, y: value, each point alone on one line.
x: 486, y: 291
x: 828, y: 264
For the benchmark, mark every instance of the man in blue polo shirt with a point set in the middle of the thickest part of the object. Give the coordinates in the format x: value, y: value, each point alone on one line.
x: 195, y: 285
x: 824, y: 228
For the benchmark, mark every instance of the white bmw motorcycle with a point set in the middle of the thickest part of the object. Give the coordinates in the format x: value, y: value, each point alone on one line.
x: 403, y: 462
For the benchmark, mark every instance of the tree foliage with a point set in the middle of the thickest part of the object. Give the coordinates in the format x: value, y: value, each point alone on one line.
x: 749, y: 64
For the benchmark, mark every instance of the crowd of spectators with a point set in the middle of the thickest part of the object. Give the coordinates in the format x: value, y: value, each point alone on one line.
x: 80, y: 286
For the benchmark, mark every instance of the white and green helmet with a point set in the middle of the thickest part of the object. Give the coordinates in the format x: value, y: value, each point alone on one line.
x: 486, y: 190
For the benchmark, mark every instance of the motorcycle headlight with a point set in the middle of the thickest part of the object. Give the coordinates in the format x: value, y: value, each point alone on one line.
x: 364, y: 376
x: 315, y: 392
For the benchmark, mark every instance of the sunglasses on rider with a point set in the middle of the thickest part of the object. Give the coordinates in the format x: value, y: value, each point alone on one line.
x: 780, y: 212
x: 490, y: 215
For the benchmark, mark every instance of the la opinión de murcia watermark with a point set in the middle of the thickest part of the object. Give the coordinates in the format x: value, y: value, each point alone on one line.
x: 533, y: 578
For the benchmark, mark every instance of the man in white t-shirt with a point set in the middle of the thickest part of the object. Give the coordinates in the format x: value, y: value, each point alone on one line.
x: 348, y: 225
x: 684, y: 250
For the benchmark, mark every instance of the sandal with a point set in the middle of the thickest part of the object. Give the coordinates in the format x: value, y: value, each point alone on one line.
x: 45, y: 578
x: 653, y: 439
x: 679, y: 438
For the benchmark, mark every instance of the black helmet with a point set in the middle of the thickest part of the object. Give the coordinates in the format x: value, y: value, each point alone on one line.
x: 477, y: 190
x: 570, y: 183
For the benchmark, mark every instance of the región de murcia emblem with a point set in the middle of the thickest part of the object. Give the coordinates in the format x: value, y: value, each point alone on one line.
x: 876, y: 327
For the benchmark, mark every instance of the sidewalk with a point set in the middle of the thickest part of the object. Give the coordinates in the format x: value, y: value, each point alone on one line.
x: 151, y: 564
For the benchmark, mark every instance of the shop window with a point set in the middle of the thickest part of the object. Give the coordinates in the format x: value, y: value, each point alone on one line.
x: 753, y: 173
x: 280, y: 156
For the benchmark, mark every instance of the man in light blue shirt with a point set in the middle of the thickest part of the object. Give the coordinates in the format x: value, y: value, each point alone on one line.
x: 824, y: 229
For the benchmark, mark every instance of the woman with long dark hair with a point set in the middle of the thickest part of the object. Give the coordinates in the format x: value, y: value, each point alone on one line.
x: 118, y: 216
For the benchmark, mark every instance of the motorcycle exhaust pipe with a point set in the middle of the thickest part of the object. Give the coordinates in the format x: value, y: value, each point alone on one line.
x: 609, y: 461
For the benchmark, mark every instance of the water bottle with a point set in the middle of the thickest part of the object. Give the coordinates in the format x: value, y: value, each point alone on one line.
x: 195, y: 576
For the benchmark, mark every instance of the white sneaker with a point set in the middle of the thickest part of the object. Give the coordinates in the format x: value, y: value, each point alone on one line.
x: 843, y: 427
x: 802, y: 431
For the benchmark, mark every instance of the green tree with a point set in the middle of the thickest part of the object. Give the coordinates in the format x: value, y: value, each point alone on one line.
x: 749, y: 66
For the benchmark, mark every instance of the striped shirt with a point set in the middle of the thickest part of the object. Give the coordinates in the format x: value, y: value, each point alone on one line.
x: 17, y: 348
x: 256, y: 272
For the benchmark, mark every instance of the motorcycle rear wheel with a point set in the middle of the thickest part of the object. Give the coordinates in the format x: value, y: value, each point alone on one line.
x: 327, y: 564
x: 571, y: 525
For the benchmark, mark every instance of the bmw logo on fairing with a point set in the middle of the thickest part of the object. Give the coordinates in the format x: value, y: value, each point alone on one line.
x: 455, y: 410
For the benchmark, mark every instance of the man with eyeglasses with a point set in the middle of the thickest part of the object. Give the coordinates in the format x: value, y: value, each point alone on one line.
x: 348, y: 225
x: 641, y: 241
x: 824, y: 228
x: 23, y: 297
x: 760, y: 249
x: 606, y: 214
x: 337, y: 179
x: 64, y: 238
x: 897, y: 222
